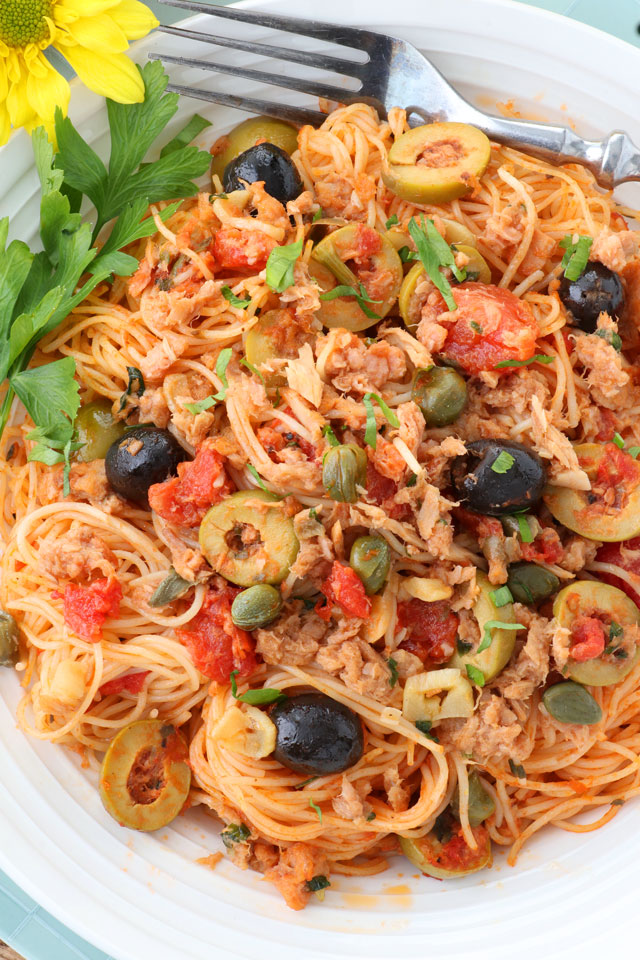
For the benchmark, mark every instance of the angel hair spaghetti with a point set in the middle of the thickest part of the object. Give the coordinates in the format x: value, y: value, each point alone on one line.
x: 325, y: 512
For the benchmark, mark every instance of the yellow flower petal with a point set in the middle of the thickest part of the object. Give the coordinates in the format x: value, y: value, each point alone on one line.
x: 5, y: 124
x: 134, y: 18
x: 4, y: 83
x: 45, y: 95
x: 111, y: 75
x: 67, y: 9
x: 17, y: 101
x: 99, y: 33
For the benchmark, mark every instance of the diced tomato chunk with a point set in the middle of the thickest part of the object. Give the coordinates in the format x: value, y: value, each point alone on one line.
x: 617, y: 468
x: 490, y: 325
x: 215, y: 644
x: 242, y: 249
x: 379, y: 488
x: 344, y: 587
x: 625, y: 555
x: 277, y: 435
x: 367, y: 242
x: 546, y: 548
x: 588, y: 639
x: 200, y: 483
x: 87, y: 608
x: 131, y: 682
x: 432, y: 629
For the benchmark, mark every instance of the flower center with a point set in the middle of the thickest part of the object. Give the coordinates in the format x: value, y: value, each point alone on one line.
x: 23, y: 21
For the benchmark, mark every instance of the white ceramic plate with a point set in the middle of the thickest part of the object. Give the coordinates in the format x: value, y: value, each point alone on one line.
x: 139, y: 896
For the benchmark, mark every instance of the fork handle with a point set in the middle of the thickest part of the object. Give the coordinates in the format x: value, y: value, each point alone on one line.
x: 613, y: 161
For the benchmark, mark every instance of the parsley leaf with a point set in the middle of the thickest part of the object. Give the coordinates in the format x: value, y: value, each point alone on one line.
x: 391, y: 222
x: 256, y: 476
x: 503, y: 462
x: 613, y: 339
x: 537, y: 358
x: 327, y: 431
x: 221, y: 372
x: 314, y: 806
x: 576, y: 255
x: 135, y: 377
x: 424, y: 726
x: 524, y: 528
x: 254, y: 370
x: 393, y: 671
x: 318, y: 215
x: 434, y: 252
x: 633, y: 452
x: 361, y: 295
x: 490, y: 625
x: 305, y: 783
x: 371, y: 431
x: 501, y: 596
x: 255, y: 697
x: 200, y: 405
x: 234, y: 833
x: 316, y: 883
x: 517, y: 770
x: 188, y: 133
x: 619, y: 442
x: 280, y: 266
x: 474, y: 674
x: 235, y: 301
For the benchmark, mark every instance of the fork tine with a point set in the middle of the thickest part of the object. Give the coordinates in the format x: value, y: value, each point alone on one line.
x: 321, y: 61
x: 345, y: 36
x: 296, y: 115
x: 312, y: 87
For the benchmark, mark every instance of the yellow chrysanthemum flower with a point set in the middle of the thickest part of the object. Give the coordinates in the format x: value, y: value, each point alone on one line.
x: 92, y: 36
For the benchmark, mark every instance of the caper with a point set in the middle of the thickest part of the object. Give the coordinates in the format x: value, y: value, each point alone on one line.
x: 371, y: 558
x: 511, y: 525
x: 344, y: 468
x: 530, y: 583
x: 256, y: 607
x: 441, y: 394
x: 481, y: 804
x: 9, y: 640
x: 97, y: 430
x: 570, y: 702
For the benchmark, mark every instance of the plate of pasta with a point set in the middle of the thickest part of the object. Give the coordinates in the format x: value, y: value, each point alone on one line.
x: 320, y: 602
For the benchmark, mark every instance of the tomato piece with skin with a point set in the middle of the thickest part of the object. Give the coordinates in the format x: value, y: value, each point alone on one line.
x: 131, y: 683
x: 432, y: 629
x: 242, y: 249
x: 588, y: 639
x: 277, y: 435
x: 625, y: 555
x: 200, y: 483
x: 86, y: 608
x: 344, y: 587
x: 457, y: 855
x: 546, y: 548
x: 490, y: 325
x: 617, y: 468
x: 214, y: 643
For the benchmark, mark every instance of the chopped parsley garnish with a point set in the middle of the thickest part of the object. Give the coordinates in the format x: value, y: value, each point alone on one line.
x: 314, y: 806
x: 476, y: 327
x: 361, y: 295
x: 254, y: 370
x: 280, y: 266
x: 318, y: 215
x: 537, y: 358
x: 391, y: 222
x: 524, y: 528
x: 411, y: 480
x: 633, y: 452
x: 576, y: 255
x: 501, y: 596
x: 305, y: 783
x: 135, y: 385
x: 424, y: 726
x: 235, y: 301
x: 256, y: 698
x: 235, y: 833
x: 503, y: 462
x: 200, y: 405
x: 490, y: 625
x: 319, y: 882
x: 372, y: 816
x: 517, y: 770
x: 615, y: 630
x: 256, y: 476
x: 407, y: 255
x: 189, y: 132
x: 221, y: 372
x: 434, y: 252
x: 611, y: 337
x: 619, y: 442
x: 313, y: 514
x: 474, y: 674
x: 327, y: 431
x: 393, y: 671
x: 371, y: 431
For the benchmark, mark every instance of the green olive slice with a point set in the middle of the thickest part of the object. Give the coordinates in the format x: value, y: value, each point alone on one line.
x: 441, y: 394
x: 477, y: 268
x: 481, y: 804
x: 569, y: 702
x: 246, y: 135
x: 455, y: 232
x: 595, y: 521
x: 145, y: 776
x: 370, y: 557
x: 256, y: 606
x: 437, y: 162
x: 247, y: 538
x: 9, y: 640
x: 275, y: 337
x: 433, y: 857
x: 495, y: 657
x: 97, y: 430
x: 332, y: 265
x: 409, y: 303
x: 587, y: 598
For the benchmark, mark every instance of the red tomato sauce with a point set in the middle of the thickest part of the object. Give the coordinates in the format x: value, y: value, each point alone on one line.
x: 344, y: 587
x: 87, y: 608
x: 546, y: 548
x: 215, y: 644
x: 200, y: 483
x: 617, y: 469
x: 432, y: 629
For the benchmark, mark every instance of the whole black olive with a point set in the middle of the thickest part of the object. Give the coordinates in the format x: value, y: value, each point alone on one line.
x: 142, y: 457
x: 265, y: 162
x: 496, y: 477
x: 596, y: 290
x: 316, y: 735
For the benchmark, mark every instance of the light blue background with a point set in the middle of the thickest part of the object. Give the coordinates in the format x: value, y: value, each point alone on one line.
x: 23, y: 924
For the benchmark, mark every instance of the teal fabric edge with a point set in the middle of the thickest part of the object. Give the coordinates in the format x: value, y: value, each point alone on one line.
x: 25, y: 926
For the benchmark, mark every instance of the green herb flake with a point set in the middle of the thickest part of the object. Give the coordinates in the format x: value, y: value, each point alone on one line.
x: 254, y: 370
x: 371, y: 816
x: 371, y: 431
x: 619, y: 442
x: 476, y: 327
x: 391, y: 222
x: 407, y: 255
x: 221, y: 372
x: 200, y: 405
x: 503, y: 462
x: 615, y: 630
x: 317, y: 215
x: 235, y: 301
x: 280, y: 266
x: 319, y: 882
x: 361, y: 295
x: 411, y: 480
x: 576, y: 256
x: 434, y: 252
x: 424, y: 726
x: 463, y: 646
x: 517, y: 770
x: 135, y: 385
x: 305, y: 783
x: 256, y: 476
x: 314, y: 806
x: 393, y: 671
x: 313, y: 514
x: 537, y: 358
x: 524, y: 528
x: 327, y: 431
x: 490, y: 625
x: 501, y: 596
x: 633, y: 452
x: 255, y: 697
x: 475, y: 675
x: 235, y: 833
x: 611, y: 337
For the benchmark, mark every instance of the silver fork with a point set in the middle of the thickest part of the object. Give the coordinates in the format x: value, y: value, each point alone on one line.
x: 394, y: 74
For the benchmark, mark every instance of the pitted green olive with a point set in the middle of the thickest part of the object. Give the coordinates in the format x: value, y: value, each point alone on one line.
x: 354, y: 255
x: 256, y: 606
x: 274, y: 337
x: 592, y: 517
x: 247, y: 133
x: 343, y: 470
x: 477, y: 268
x: 530, y: 583
x: 481, y: 804
x: 371, y: 558
x: 433, y: 856
x: 248, y: 538
x: 496, y: 656
x: 409, y: 302
x: 588, y: 598
x: 569, y: 702
x: 436, y: 162
x: 97, y: 430
x: 441, y: 394
x: 9, y: 640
